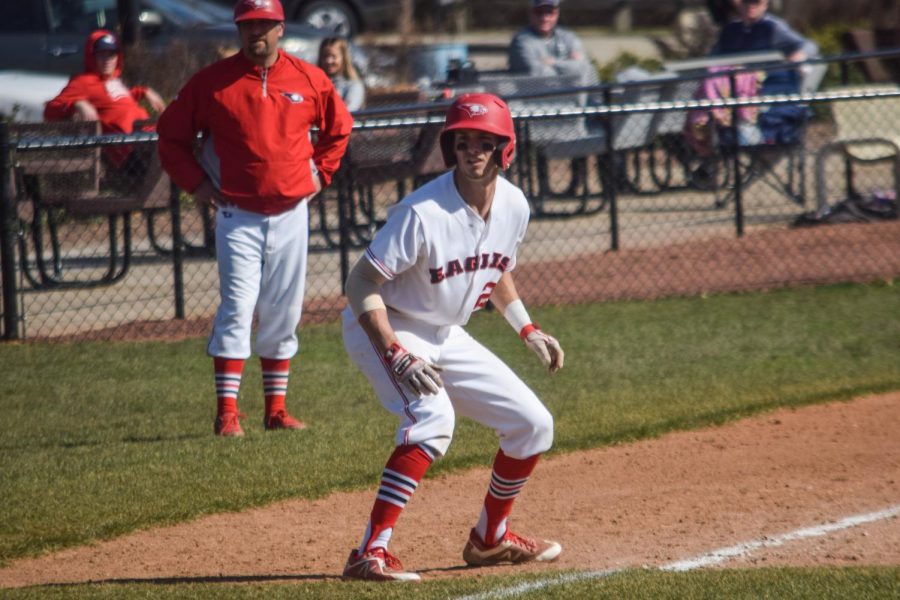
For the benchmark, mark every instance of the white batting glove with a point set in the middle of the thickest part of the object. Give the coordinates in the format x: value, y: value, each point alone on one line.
x: 545, y: 346
x: 408, y: 369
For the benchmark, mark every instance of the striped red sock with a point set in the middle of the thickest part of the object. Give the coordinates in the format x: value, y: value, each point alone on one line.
x: 400, y: 478
x: 228, y: 383
x: 508, y: 477
x: 275, y: 374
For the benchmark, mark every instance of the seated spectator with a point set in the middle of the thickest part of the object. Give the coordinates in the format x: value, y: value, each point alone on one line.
x: 545, y: 49
x: 758, y: 31
x: 98, y: 94
x: 335, y: 60
x: 754, y: 31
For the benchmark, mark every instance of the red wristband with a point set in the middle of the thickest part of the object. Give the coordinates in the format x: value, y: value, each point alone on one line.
x: 392, y: 351
x: 528, y: 329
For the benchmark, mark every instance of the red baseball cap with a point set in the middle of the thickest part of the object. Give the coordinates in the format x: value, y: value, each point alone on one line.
x: 269, y: 10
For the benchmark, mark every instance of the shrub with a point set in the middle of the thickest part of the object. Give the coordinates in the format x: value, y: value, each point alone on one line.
x: 828, y: 38
x: 624, y: 60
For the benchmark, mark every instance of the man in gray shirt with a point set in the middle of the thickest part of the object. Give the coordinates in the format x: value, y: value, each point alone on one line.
x: 542, y: 48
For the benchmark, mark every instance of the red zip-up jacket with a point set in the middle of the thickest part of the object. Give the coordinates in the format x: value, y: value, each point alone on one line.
x: 117, y: 105
x: 256, y: 131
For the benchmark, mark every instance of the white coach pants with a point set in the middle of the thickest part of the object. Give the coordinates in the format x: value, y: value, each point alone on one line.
x: 477, y: 384
x: 262, y: 268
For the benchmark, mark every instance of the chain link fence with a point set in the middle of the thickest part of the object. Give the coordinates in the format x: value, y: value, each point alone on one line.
x: 638, y: 190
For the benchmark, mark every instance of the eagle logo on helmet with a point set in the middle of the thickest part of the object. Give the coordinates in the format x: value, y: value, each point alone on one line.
x: 474, y: 110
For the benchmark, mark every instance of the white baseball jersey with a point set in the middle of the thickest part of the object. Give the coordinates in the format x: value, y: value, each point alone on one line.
x: 441, y: 259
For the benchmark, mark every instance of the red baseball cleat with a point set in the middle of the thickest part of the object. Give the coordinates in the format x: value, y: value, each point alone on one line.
x: 229, y: 425
x: 376, y: 565
x: 282, y: 420
x: 512, y: 549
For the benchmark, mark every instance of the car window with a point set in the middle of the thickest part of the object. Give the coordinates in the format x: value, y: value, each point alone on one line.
x: 21, y: 17
x: 82, y: 16
x: 189, y: 13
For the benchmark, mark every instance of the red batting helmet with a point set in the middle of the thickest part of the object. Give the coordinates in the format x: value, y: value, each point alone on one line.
x: 484, y: 112
x: 269, y: 10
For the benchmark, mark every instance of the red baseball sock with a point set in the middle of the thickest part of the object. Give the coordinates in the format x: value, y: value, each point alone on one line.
x: 402, y: 474
x: 228, y: 383
x: 507, y: 480
x: 275, y: 381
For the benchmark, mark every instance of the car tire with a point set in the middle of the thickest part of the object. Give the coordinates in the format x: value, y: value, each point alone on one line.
x: 333, y: 16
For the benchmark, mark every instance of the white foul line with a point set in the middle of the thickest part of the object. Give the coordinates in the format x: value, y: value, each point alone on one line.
x: 704, y: 560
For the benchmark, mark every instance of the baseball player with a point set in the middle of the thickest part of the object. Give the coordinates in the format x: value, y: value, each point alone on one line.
x: 258, y: 168
x: 445, y: 250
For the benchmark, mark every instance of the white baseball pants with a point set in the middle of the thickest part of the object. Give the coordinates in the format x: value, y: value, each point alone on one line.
x: 262, y: 269
x: 477, y: 384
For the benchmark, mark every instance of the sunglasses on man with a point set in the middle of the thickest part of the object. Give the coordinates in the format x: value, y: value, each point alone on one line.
x: 484, y: 146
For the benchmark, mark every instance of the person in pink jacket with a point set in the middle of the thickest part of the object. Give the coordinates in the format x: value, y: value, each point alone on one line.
x: 98, y: 94
x: 258, y: 167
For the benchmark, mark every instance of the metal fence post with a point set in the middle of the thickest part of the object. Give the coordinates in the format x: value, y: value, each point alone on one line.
x: 177, y: 250
x: 609, y: 187
x: 8, y: 238
x: 344, y: 198
x: 736, y: 161
x: 848, y: 164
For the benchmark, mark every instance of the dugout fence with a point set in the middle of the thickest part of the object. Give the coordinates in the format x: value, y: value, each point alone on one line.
x: 623, y: 206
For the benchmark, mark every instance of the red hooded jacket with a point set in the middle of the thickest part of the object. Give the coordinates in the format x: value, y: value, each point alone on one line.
x: 256, y: 131
x: 117, y: 105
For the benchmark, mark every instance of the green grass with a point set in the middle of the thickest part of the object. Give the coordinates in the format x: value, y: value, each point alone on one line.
x: 871, y: 583
x: 100, y: 439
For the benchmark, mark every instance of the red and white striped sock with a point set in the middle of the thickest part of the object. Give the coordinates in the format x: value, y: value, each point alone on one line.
x: 508, y: 477
x: 228, y: 382
x: 400, y: 478
x: 275, y: 374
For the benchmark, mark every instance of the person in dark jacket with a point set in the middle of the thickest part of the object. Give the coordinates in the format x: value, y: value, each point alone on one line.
x: 756, y: 30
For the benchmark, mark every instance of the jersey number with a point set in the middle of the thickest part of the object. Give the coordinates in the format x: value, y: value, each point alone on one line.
x: 485, y: 296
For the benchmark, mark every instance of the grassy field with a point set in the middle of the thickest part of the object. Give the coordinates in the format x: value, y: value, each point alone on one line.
x: 756, y: 584
x: 100, y: 439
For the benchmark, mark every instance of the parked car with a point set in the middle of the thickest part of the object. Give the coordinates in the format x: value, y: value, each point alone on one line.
x: 343, y: 17
x: 48, y: 35
x: 348, y: 18
x: 23, y: 94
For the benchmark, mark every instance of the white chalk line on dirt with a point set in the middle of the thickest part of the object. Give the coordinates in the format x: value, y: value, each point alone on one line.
x: 704, y: 560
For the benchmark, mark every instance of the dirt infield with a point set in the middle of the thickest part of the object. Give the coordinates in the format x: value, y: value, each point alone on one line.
x: 641, y: 504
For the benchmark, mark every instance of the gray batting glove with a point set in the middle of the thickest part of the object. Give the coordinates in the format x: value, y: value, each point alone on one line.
x: 547, y: 349
x: 418, y: 376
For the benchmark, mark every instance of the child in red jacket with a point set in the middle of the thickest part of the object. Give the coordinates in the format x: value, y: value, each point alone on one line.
x: 98, y: 94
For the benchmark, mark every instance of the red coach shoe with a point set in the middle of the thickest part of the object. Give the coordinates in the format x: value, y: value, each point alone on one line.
x: 282, y: 420
x: 229, y: 425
